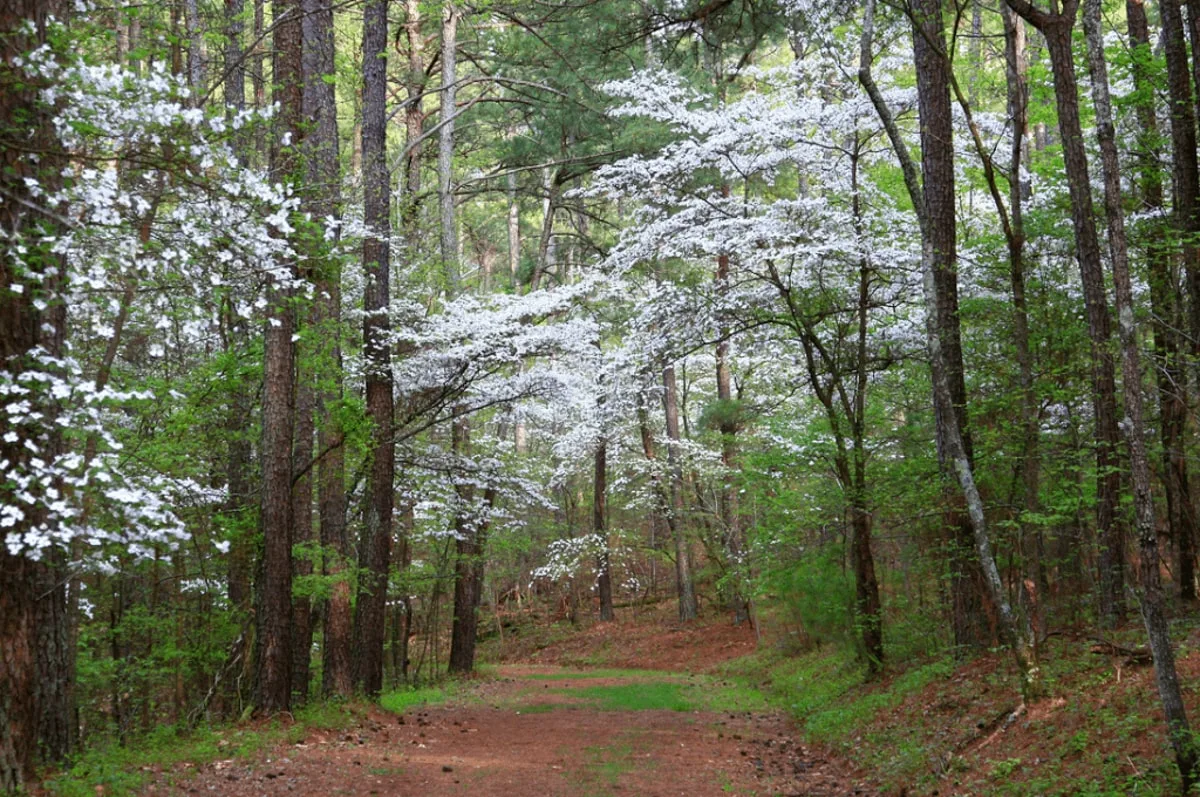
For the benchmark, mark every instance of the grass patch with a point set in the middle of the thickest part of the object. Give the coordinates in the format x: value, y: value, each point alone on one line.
x: 635, y: 697
x: 654, y: 689
x: 725, y: 695
x: 580, y: 675
x: 826, y: 692
x: 603, y: 766
x: 159, y: 755
x: 115, y: 770
x: 402, y: 700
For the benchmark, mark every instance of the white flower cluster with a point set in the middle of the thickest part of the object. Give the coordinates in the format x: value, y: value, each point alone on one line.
x: 161, y: 205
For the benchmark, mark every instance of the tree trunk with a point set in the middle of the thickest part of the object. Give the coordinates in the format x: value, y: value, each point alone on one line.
x: 19, y: 577
x: 662, y: 509
x: 322, y: 198
x: 258, y: 78
x: 1164, y: 281
x: 688, y: 610
x: 413, y: 117
x: 600, y: 529
x: 1185, y: 161
x: 302, y: 506
x: 237, y: 473
x: 869, y: 604
x: 1024, y: 652
x: 415, y: 80
x: 234, y: 86
x: 968, y: 594
x: 1056, y: 28
x: 514, y: 228
x: 273, y: 640
x: 1017, y: 67
x: 319, y: 198
x: 445, y: 166
x: 545, y: 253
x: 734, y: 535
x: 374, y: 551
x: 195, y: 50
x: 1149, y: 579
x: 470, y: 543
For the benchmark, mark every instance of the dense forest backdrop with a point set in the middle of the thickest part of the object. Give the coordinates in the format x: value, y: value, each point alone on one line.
x: 327, y: 330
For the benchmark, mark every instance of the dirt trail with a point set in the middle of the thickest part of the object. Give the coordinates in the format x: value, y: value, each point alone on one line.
x: 542, y: 731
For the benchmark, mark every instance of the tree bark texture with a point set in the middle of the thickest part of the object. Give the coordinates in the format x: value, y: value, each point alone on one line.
x: 969, y: 610
x: 234, y: 86
x: 1149, y: 578
x: 734, y: 534
x: 600, y: 529
x: 1164, y: 279
x: 374, y: 552
x: 1056, y: 28
x: 470, y: 531
x: 323, y: 199
x: 445, y: 166
x: 273, y: 668
x: 1024, y: 652
x: 684, y: 584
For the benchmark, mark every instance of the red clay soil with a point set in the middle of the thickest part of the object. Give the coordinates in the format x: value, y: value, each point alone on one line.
x: 495, y: 749
x: 524, y: 735
x: 645, y: 638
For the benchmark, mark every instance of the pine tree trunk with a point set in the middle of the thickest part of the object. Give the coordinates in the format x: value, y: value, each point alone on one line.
x: 1017, y: 68
x: 234, y: 87
x: 1164, y: 281
x: 322, y: 198
x: 956, y: 454
x: 734, y: 534
x: 445, y: 166
x: 273, y: 640
x: 302, y: 509
x: 688, y: 610
x: 600, y: 529
x: 1056, y: 28
x: 968, y: 594
x: 239, y: 451
x: 1149, y: 578
x: 1176, y: 59
x: 374, y: 553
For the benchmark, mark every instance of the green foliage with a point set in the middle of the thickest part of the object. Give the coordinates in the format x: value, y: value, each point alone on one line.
x: 722, y: 414
x: 652, y: 696
x: 402, y: 700
x: 116, y: 770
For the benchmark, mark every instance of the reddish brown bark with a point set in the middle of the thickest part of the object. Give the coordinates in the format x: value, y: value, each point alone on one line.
x: 1057, y: 28
x: 375, y: 544
x: 600, y: 529
x: 1164, y: 282
x: 273, y: 662
x: 34, y: 661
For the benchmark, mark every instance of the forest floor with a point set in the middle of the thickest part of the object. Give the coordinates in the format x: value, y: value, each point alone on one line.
x: 544, y: 731
x: 653, y: 720
x: 645, y: 706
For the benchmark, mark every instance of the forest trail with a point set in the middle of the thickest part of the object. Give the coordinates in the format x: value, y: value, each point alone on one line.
x: 539, y: 730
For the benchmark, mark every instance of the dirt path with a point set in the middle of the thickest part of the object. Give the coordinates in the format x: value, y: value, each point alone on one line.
x: 545, y: 731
